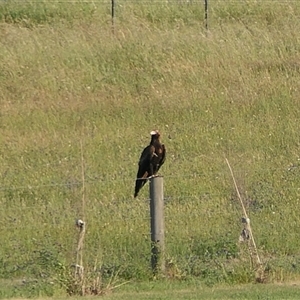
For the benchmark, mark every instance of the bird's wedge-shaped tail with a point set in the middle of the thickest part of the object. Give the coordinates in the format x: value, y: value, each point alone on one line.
x: 151, y: 159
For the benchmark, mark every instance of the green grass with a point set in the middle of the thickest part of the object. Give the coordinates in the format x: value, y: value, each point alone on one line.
x: 195, y: 290
x: 68, y: 83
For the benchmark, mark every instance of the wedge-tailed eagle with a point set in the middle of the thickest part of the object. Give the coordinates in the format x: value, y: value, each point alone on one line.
x: 152, y: 158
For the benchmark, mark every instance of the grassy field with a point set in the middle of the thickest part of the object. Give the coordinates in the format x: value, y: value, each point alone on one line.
x: 77, y: 105
x: 195, y: 290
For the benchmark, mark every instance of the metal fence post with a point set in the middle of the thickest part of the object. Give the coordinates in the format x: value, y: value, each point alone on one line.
x: 157, y: 225
x: 113, y: 6
x: 206, y: 13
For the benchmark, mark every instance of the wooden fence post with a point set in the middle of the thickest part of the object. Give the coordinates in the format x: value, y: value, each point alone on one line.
x: 157, y: 225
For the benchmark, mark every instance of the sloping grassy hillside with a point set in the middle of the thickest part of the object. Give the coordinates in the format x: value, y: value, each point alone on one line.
x: 76, y: 96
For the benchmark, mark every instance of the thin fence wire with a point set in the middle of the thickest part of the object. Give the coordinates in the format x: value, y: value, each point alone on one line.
x: 98, y: 179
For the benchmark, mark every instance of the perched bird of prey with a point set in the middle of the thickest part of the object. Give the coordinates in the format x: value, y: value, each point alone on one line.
x: 152, y: 158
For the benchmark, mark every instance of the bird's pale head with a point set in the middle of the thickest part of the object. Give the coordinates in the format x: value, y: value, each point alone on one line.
x: 155, y: 132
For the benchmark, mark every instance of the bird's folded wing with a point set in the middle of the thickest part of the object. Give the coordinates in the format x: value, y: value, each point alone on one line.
x: 146, y: 155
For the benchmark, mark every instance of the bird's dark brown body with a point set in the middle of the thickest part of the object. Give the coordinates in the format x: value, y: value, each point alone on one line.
x: 152, y: 158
